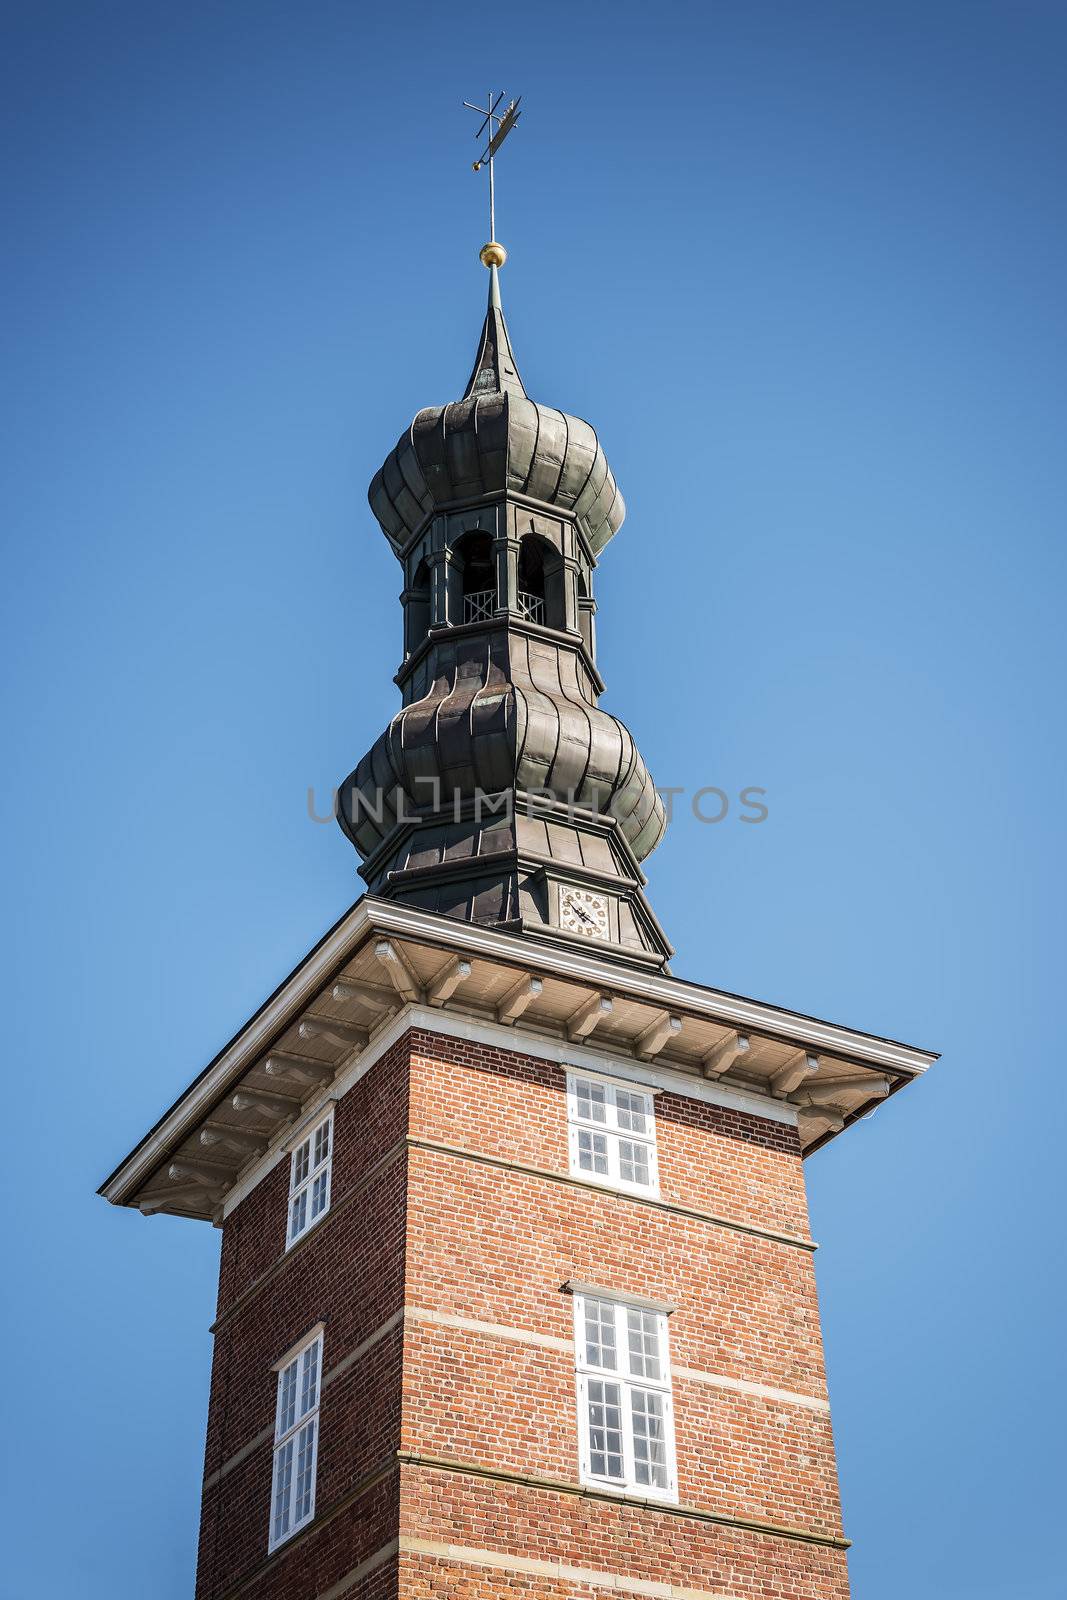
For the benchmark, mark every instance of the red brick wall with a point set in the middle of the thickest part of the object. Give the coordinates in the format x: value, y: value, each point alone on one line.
x: 649, y: 1545
x: 486, y: 1240
x: 502, y: 1103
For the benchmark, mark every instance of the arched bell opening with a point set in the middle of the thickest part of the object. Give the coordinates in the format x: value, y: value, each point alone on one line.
x: 417, y: 608
x: 540, y: 589
x: 474, y: 578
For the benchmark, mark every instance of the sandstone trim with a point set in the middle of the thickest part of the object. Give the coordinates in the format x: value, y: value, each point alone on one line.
x: 461, y: 1152
x: 559, y: 1571
x: 529, y: 1336
x: 364, y: 1570
x: 583, y: 1491
x: 369, y: 1481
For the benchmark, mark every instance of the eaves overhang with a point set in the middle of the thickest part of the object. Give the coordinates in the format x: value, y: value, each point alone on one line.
x: 383, y: 955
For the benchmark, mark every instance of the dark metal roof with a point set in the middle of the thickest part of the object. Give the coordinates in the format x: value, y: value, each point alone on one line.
x: 496, y: 439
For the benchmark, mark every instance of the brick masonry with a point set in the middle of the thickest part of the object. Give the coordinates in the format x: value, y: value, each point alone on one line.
x: 448, y: 1455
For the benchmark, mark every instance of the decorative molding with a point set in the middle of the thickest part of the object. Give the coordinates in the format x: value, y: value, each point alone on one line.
x: 667, y: 1508
x: 264, y: 1436
x: 525, y: 1336
x: 364, y: 1570
x: 370, y: 915
x: 491, y: 1330
x: 381, y: 1332
x: 588, y: 1056
x: 623, y: 1296
x: 398, y: 970
x: 235, y: 1138
x: 658, y: 1033
x: 442, y: 987
x: 801, y: 1064
x: 302, y: 1068
x: 582, y: 1022
x: 341, y: 1034
x: 726, y: 1054
x: 607, y: 1077
x: 320, y: 1520
x: 557, y: 1571
x: 374, y: 995
x: 518, y: 998
x: 585, y: 1058
x: 279, y: 1107
x: 297, y: 1346
x: 756, y: 1391
x: 571, y: 1180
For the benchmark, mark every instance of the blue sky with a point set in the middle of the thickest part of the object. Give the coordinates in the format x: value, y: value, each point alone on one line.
x: 802, y: 266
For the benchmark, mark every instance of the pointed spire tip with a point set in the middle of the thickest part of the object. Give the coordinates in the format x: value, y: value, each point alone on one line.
x: 495, y: 371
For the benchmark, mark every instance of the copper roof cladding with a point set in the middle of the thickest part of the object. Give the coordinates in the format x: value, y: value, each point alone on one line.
x: 495, y: 440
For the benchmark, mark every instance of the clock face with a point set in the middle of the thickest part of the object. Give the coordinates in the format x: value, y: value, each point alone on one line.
x: 582, y: 911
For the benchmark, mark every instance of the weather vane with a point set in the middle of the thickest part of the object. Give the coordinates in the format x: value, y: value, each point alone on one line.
x: 499, y: 124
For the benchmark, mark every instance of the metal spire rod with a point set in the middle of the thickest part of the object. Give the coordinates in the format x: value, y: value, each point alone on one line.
x: 492, y: 185
x: 504, y: 122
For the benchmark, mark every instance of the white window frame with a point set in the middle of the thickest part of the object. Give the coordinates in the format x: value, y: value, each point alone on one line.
x: 308, y: 1182
x: 296, y: 1420
x: 611, y: 1131
x: 632, y: 1383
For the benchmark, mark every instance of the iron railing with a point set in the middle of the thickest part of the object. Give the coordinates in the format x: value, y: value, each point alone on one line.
x: 481, y: 606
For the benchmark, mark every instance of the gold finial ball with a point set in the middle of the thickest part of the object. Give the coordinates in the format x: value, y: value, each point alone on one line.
x: 493, y: 254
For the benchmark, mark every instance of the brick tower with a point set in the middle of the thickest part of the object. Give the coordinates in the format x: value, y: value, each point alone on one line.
x: 516, y: 1294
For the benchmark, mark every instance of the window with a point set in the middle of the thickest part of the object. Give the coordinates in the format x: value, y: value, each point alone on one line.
x: 612, y: 1133
x: 296, y: 1440
x: 309, y: 1179
x: 473, y: 561
x: 625, y: 1420
x: 540, y: 575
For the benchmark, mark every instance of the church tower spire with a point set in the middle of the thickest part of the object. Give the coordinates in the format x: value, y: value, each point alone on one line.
x: 494, y: 370
x: 501, y: 792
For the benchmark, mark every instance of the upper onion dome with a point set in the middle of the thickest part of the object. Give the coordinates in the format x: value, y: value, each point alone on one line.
x: 496, y: 439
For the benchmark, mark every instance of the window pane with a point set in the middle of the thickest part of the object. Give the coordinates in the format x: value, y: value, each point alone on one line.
x: 298, y: 1214
x: 283, y: 1479
x: 642, y: 1336
x: 319, y: 1191
x: 630, y: 1109
x: 592, y: 1099
x: 633, y: 1163
x: 301, y: 1167
x: 650, y: 1438
x: 600, y: 1348
x: 305, y: 1482
x: 287, y: 1399
x: 605, y: 1429
x: 593, y: 1152
x: 309, y: 1387
x: 322, y: 1144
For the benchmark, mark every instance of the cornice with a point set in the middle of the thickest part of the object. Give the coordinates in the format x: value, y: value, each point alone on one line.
x: 583, y: 971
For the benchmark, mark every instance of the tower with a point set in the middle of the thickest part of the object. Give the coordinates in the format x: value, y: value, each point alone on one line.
x: 516, y: 1291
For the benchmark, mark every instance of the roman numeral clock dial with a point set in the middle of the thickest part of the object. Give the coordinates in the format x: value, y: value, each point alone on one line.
x: 582, y: 911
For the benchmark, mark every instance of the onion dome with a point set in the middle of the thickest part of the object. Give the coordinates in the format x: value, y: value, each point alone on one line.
x: 496, y: 440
